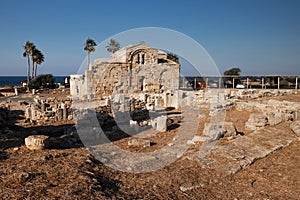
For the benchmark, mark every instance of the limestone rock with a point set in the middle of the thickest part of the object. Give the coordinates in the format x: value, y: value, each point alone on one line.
x: 37, y: 142
x: 161, y: 123
x: 197, y: 139
x: 215, y: 131
x: 295, y: 126
x: 138, y: 142
x: 256, y: 121
x: 274, y: 118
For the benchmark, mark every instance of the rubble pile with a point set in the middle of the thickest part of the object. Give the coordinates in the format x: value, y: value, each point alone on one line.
x: 50, y: 110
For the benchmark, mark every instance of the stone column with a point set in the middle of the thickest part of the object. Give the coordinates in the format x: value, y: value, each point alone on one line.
x: 162, y: 124
x: 28, y: 112
x: 64, y: 114
x: 59, y: 114
x: 43, y: 107
x: 247, y: 82
x: 16, y: 91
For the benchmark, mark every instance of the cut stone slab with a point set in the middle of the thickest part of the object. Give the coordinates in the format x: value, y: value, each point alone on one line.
x: 215, y: 131
x: 243, y: 151
x: 37, y: 142
x: 197, y: 139
x: 274, y: 118
x: 161, y: 124
x: 295, y: 126
x: 139, y: 142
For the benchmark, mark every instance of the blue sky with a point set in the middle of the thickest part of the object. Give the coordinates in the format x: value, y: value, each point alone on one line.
x: 258, y: 36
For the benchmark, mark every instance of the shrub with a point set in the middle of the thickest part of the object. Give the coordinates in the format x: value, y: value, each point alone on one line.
x: 42, y: 81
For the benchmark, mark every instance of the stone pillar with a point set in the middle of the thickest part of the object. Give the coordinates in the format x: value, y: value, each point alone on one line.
x: 206, y: 82
x: 64, y: 114
x: 28, y: 112
x: 161, y: 125
x: 232, y: 82
x: 262, y: 83
x: 43, y: 107
x: 247, y: 82
x: 59, y: 114
x: 16, y: 91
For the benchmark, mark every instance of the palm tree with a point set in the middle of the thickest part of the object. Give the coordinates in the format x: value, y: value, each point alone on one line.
x: 38, y: 58
x: 112, y: 46
x: 89, y: 47
x: 28, y: 51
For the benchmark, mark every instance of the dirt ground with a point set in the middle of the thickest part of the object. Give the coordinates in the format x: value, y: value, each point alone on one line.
x: 69, y: 171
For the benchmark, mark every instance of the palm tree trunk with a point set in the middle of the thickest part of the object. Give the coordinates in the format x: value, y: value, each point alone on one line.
x: 28, y: 71
x: 32, y: 75
x: 35, y: 70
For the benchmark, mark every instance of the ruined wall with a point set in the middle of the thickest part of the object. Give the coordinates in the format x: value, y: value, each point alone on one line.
x: 133, y: 69
x: 47, y: 111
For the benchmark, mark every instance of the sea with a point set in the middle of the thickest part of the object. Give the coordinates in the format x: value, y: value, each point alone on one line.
x: 16, y: 80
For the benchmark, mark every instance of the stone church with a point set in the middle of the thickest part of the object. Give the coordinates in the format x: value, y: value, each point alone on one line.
x: 135, y: 69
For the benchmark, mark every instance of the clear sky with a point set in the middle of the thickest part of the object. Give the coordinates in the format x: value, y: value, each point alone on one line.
x: 258, y: 36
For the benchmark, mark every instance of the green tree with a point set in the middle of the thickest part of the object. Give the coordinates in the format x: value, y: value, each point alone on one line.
x: 113, y: 46
x: 38, y: 58
x: 42, y: 81
x: 89, y: 47
x: 173, y: 57
x: 233, y: 72
x: 28, y: 51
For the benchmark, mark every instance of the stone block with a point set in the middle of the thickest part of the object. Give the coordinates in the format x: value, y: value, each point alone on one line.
x: 197, y: 139
x: 295, y: 126
x: 274, y: 118
x: 256, y: 121
x: 138, y: 142
x: 37, y: 142
x: 215, y: 131
x: 161, y: 124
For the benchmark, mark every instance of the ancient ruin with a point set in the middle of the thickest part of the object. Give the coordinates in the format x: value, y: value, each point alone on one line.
x: 134, y: 69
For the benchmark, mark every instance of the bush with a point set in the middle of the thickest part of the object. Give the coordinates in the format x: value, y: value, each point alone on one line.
x: 42, y: 81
